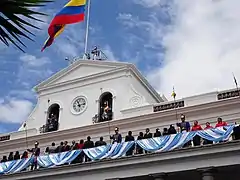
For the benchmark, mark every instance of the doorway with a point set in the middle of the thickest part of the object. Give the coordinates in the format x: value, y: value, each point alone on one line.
x: 53, y: 118
x: 106, y: 107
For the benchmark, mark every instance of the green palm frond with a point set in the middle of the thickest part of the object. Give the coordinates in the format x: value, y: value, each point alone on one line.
x: 13, y: 20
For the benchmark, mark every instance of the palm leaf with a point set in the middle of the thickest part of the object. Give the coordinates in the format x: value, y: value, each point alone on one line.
x: 13, y: 20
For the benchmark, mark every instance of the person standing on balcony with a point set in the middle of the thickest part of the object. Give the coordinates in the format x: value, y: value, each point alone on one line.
x: 66, y: 147
x: 10, y: 157
x: 172, y: 130
x: 35, y: 153
x: 208, y: 126
x: 220, y: 123
x: 117, y: 137
x: 184, y: 127
x: 196, y: 138
x: 139, y: 150
x: 147, y: 135
x: 128, y: 138
x: 157, y: 133
x: 100, y: 142
x: 87, y: 145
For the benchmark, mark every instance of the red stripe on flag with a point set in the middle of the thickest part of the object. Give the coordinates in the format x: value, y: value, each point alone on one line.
x: 64, y: 19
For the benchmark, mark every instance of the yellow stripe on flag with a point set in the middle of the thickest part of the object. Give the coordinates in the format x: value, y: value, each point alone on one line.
x: 76, y: 3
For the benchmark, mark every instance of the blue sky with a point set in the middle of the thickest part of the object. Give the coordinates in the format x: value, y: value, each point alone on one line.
x: 172, y: 42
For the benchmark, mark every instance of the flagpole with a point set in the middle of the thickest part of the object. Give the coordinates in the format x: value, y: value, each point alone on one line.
x: 26, y: 135
x: 175, y: 105
x: 235, y: 81
x: 87, y: 28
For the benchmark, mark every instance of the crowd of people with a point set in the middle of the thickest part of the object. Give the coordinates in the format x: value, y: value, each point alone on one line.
x: 183, y: 126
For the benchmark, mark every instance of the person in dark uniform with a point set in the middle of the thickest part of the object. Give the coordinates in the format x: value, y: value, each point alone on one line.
x: 35, y: 153
x: 128, y: 138
x: 139, y: 150
x: 184, y: 127
x: 157, y: 133
x: 66, y: 147
x: 172, y: 130
x: 100, y: 142
x: 147, y: 135
x: 117, y: 137
x: 87, y: 145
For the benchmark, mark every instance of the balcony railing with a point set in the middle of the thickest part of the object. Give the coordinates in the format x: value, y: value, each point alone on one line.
x: 228, y: 94
x: 172, y: 105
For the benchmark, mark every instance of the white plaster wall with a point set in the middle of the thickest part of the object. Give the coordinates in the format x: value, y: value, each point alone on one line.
x: 117, y: 87
x: 122, y: 85
x: 200, y: 99
x: 132, y: 112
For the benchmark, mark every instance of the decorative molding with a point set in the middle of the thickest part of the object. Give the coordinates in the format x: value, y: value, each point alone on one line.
x: 5, y: 138
x: 75, y: 65
x: 119, y: 67
x: 173, y: 105
x: 136, y: 100
x: 128, y: 73
x: 228, y: 94
x: 112, y: 91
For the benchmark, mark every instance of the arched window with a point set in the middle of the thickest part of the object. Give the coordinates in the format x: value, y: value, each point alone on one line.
x: 105, y: 107
x: 53, y: 118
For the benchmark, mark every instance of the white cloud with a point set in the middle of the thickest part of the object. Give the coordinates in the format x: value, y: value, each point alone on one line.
x: 23, y: 94
x: 109, y: 53
x: 202, y: 46
x: 148, y: 3
x: 33, y: 61
x: 14, y: 111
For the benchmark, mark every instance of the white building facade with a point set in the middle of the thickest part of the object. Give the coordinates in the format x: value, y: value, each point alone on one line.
x: 76, y: 95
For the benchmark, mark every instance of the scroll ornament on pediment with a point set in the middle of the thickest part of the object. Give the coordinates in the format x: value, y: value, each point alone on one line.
x: 137, y: 99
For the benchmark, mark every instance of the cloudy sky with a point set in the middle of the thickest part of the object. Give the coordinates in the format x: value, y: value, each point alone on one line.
x: 193, y: 45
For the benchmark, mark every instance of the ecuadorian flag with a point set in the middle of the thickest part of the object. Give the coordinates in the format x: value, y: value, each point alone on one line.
x: 73, y: 12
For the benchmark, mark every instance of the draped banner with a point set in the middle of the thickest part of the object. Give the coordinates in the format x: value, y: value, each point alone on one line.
x: 58, y: 158
x: 97, y: 152
x: 15, y: 166
x: 116, y: 150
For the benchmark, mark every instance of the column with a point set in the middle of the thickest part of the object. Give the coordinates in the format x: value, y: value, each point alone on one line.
x: 207, y: 173
x: 159, y: 176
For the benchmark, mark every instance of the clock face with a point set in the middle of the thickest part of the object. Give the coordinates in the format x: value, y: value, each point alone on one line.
x: 79, y: 105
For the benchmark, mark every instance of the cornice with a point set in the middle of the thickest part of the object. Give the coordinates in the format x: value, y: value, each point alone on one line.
x: 146, y: 83
x: 82, y: 79
x: 77, y: 64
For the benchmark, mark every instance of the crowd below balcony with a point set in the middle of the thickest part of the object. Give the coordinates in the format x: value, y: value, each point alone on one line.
x: 183, y: 126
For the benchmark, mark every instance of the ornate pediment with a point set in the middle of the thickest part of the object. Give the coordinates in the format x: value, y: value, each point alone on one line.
x: 79, y: 69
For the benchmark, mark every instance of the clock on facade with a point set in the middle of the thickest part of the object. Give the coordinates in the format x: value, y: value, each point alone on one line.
x: 79, y: 105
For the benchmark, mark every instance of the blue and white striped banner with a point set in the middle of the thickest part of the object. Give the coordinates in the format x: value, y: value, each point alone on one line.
x: 15, y: 166
x: 57, y: 158
x: 97, y: 152
x: 116, y: 150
